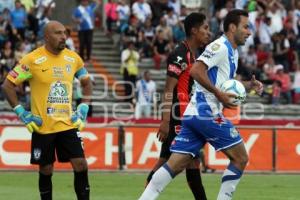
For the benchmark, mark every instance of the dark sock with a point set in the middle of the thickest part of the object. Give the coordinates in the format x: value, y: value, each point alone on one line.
x: 81, y: 185
x: 149, y: 177
x: 193, y: 178
x: 45, y: 186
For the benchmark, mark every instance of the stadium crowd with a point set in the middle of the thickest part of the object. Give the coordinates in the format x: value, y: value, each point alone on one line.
x: 21, y: 25
x: 271, y: 53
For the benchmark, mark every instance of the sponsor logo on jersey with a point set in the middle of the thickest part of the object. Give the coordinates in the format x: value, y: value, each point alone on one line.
x: 234, y: 133
x: 215, y: 46
x: 207, y: 54
x: 173, y: 68
x: 13, y: 73
x: 182, y: 139
x: 68, y: 68
x: 69, y: 59
x: 51, y: 111
x: 184, y: 66
x: 219, y: 120
x: 58, y: 93
x: 24, y: 68
x: 58, y: 72
x: 40, y: 60
x: 179, y: 59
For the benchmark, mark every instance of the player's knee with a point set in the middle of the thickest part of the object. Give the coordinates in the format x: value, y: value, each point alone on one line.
x: 242, y: 160
x: 79, y: 164
x: 194, y: 164
x: 178, y: 168
x: 46, y: 169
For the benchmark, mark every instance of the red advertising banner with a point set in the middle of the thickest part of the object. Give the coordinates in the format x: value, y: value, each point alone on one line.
x: 142, y: 149
x: 288, y: 150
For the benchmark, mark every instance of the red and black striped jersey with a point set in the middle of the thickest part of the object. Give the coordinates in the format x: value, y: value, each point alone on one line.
x: 179, y: 64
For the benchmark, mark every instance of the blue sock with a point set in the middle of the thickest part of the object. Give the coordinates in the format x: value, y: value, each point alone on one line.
x: 230, y: 179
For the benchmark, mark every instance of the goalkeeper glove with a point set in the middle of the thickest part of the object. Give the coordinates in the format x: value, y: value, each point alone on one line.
x: 79, y: 116
x: 31, y: 121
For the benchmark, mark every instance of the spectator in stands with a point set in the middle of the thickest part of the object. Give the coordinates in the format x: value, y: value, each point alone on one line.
x: 6, y: 4
x: 111, y: 14
x: 42, y: 22
x: 28, y: 4
x: 276, y: 12
x: 171, y: 17
x: 166, y: 30
x: 141, y: 10
x: 3, y: 72
x: 145, y: 96
x: 285, y: 80
x: 149, y: 30
x: 131, y: 32
x: 178, y: 32
x: 264, y: 32
x: 20, y: 51
x: 19, y: 18
x: 296, y: 86
x: 33, y: 22
x: 123, y: 11
x: 43, y: 6
x: 4, y: 28
x: 158, y: 8
x: 270, y: 68
x: 7, y: 56
x: 6, y: 14
x: 223, y: 12
x: 144, y: 45
x: 176, y: 5
x: 69, y: 41
x: 262, y: 55
x: 129, y: 69
x: 161, y: 48
x: 276, y: 90
x: 250, y: 63
x: 281, y: 47
x: 84, y: 16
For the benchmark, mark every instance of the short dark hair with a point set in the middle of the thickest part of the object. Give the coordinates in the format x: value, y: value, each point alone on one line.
x: 193, y: 20
x: 234, y: 17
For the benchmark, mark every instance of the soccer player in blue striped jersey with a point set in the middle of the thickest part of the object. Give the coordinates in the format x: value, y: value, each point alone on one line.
x: 203, y: 119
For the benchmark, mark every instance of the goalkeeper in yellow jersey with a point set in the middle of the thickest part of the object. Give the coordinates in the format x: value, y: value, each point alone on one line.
x: 50, y: 71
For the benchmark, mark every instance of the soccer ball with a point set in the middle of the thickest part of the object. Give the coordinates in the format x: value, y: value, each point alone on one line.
x: 235, y: 87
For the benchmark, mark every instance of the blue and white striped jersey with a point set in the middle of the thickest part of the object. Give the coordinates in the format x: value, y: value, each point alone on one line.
x: 222, y: 62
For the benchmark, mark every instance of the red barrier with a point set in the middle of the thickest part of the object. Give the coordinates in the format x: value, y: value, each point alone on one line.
x: 142, y: 149
x: 258, y: 143
x: 288, y: 150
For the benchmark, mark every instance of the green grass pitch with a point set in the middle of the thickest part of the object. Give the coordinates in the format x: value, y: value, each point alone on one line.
x: 128, y: 186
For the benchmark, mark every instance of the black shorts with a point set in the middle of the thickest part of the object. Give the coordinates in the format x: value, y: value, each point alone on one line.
x: 174, y: 129
x: 67, y: 144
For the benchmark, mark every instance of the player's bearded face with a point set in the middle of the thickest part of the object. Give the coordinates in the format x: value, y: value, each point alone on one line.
x: 242, y: 32
x: 58, y: 40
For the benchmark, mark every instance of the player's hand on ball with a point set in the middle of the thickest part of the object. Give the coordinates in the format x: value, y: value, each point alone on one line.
x: 163, y: 131
x: 226, y: 99
x: 79, y: 116
x: 31, y: 121
x: 256, y: 85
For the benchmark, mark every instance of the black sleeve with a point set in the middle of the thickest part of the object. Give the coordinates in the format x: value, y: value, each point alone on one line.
x: 176, y: 63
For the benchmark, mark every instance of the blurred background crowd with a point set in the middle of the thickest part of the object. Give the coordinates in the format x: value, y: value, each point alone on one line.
x: 151, y: 30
